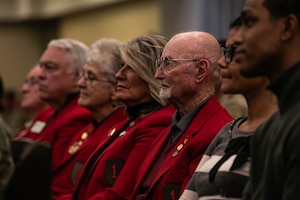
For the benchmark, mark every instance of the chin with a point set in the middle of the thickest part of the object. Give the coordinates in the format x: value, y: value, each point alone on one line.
x: 82, y: 103
x: 165, y: 94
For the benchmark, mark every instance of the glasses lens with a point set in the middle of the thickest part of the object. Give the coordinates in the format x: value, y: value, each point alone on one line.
x: 158, y: 62
x: 229, y: 53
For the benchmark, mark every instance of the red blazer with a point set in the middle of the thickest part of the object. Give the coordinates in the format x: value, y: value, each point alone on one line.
x: 65, y: 176
x: 61, y: 128
x: 37, y: 125
x: 173, y: 176
x: 112, y: 175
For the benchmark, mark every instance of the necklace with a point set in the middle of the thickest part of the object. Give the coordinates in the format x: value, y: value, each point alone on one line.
x: 231, y: 127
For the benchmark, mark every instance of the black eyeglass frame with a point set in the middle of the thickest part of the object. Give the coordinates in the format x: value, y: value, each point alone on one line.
x: 228, y: 53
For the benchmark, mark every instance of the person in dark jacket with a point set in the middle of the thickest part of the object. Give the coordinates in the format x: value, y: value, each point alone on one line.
x: 269, y: 44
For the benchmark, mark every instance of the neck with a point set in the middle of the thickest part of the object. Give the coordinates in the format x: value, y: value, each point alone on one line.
x: 103, y: 112
x: 260, y: 108
x: 185, y: 105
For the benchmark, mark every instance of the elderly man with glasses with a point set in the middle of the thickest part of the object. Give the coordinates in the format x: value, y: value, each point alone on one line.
x: 188, y: 72
x: 60, y: 64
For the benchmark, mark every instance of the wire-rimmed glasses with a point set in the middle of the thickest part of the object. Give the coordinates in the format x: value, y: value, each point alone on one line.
x: 166, y: 62
x: 89, y: 77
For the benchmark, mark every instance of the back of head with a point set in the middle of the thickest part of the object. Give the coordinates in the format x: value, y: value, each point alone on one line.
x: 105, y: 54
x: 1, y: 94
x: 76, y: 49
x: 140, y: 54
x: 280, y: 8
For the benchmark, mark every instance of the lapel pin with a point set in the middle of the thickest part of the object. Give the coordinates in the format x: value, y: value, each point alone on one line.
x: 111, y: 132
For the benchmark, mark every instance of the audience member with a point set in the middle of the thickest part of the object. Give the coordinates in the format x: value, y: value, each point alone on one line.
x: 224, y: 169
x: 188, y: 72
x: 97, y: 93
x: 6, y: 161
x: 269, y: 44
x: 111, y: 170
x: 60, y: 63
x: 31, y: 101
x: 4, y: 125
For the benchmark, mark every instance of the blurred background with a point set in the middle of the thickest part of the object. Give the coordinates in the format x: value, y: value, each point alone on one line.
x: 26, y: 26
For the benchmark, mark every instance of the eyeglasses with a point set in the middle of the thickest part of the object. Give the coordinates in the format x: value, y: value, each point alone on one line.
x: 31, y: 82
x: 166, y: 62
x: 228, y: 53
x: 89, y: 77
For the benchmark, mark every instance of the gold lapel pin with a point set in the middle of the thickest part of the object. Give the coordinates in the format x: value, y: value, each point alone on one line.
x: 112, y: 132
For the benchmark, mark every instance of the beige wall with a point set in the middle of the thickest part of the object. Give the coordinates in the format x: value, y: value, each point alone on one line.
x: 23, y: 43
x: 19, y: 50
x: 122, y: 21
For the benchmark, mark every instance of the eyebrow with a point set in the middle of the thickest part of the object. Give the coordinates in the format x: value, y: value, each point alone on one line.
x: 243, y: 14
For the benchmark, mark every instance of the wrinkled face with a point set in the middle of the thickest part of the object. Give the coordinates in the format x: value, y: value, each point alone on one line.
x: 258, y: 40
x: 95, y: 90
x: 232, y: 81
x: 131, y: 89
x: 56, y: 79
x: 177, y: 77
x: 30, y: 99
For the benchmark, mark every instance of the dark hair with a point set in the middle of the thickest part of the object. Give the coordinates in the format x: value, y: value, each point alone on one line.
x: 1, y: 93
x: 280, y: 8
x: 235, y: 23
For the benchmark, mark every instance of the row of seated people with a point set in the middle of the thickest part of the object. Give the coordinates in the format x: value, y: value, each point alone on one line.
x: 133, y: 120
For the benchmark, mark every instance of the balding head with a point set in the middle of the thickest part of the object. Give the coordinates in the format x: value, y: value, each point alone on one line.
x: 188, y: 69
x: 196, y: 44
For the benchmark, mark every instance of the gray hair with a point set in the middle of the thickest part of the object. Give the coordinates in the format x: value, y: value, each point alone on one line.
x: 105, y: 53
x: 76, y: 48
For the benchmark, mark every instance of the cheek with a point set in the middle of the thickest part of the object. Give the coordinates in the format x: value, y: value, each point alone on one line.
x: 140, y: 90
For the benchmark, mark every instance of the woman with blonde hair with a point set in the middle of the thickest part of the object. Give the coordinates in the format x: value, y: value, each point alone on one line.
x: 111, y: 171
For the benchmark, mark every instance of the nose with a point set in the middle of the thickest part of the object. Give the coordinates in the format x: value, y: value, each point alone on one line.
x: 24, y: 88
x: 159, y: 74
x: 42, y: 73
x: 120, y: 74
x: 81, y: 82
x: 222, y: 63
x: 238, y: 38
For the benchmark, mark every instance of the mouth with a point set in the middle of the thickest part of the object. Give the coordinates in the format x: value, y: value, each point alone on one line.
x: 83, y: 94
x: 225, y: 76
x: 120, y: 87
x: 164, y: 85
x: 42, y: 88
x: 239, y: 54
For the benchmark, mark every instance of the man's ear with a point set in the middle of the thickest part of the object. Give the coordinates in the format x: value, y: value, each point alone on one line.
x: 203, y: 69
x: 290, y: 27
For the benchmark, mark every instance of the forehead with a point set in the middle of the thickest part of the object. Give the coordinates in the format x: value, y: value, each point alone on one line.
x: 178, y: 46
x: 55, y: 54
x: 36, y: 71
x: 92, y: 68
x: 231, y: 35
x: 254, y: 6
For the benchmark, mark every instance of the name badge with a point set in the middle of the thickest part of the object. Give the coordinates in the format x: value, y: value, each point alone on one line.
x: 37, y: 127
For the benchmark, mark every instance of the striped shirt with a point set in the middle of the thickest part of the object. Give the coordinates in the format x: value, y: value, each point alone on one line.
x: 227, y: 183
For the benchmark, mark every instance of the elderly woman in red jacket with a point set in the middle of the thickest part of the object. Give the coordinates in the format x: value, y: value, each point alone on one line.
x: 111, y: 171
x: 97, y: 93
